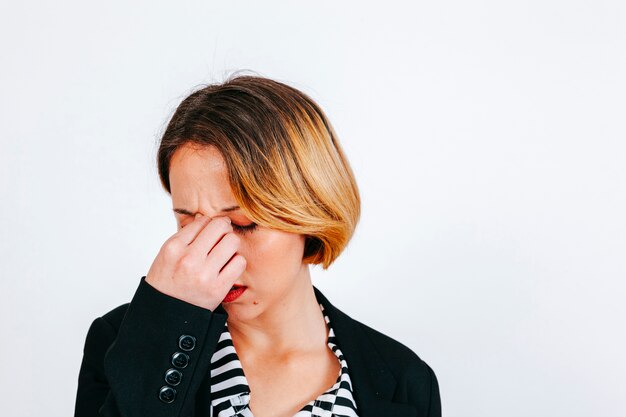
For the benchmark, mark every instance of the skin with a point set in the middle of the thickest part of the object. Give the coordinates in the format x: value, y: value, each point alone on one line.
x: 276, y: 325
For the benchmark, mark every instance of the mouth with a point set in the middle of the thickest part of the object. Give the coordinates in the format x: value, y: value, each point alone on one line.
x: 235, y: 292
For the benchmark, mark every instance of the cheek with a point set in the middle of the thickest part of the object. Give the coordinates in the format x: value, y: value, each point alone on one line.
x: 274, y: 250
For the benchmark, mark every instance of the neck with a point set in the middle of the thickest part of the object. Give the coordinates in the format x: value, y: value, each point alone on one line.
x: 295, y: 324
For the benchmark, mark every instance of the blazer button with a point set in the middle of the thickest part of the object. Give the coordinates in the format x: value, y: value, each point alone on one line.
x: 187, y: 342
x: 173, y: 376
x: 167, y: 394
x: 180, y: 359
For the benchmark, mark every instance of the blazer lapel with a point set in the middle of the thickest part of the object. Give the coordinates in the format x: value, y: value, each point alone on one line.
x: 372, y: 381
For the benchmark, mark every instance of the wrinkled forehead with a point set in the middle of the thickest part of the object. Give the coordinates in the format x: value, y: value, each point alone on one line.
x: 199, y: 181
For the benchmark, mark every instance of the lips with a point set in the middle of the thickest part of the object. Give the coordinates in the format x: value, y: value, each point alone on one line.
x: 234, y: 293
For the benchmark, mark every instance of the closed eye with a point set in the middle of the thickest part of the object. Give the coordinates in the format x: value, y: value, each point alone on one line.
x: 244, y: 229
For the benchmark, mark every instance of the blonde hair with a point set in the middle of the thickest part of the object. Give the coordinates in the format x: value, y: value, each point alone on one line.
x: 286, y: 167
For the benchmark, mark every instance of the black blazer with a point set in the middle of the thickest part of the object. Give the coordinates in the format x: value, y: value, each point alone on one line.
x: 129, y: 349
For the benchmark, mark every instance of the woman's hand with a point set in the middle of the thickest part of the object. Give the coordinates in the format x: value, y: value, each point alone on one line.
x: 195, y: 266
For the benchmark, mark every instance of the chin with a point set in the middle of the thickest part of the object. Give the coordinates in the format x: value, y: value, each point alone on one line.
x: 243, y: 310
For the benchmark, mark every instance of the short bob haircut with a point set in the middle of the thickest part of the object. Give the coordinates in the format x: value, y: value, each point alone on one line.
x: 286, y: 167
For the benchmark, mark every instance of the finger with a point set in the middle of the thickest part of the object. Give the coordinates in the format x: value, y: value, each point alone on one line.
x: 210, y: 235
x: 189, y: 233
x: 232, y: 270
x: 222, y: 252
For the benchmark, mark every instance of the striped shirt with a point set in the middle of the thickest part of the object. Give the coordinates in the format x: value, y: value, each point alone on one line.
x: 230, y: 393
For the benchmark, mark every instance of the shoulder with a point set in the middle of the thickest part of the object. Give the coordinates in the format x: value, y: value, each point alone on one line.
x: 103, y: 331
x: 107, y: 324
x: 115, y: 316
x: 402, y: 361
x: 416, y: 382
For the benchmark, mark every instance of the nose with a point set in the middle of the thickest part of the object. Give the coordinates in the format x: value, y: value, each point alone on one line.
x: 200, y: 214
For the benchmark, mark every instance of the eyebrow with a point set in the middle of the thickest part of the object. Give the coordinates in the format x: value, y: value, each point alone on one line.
x: 189, y: 213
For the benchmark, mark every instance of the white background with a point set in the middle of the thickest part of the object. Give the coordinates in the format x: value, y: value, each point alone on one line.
x: 487, y: 139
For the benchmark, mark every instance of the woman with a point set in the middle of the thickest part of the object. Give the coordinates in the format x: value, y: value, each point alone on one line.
x: 227, y: 322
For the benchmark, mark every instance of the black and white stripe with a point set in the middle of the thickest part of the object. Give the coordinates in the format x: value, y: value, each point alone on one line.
x: 230, y: 393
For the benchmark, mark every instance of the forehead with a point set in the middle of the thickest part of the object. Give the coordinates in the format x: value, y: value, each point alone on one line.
x: 195, y: 160
x: 199, y: 178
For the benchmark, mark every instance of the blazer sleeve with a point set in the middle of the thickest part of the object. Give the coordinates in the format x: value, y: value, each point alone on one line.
x: 123, y: 369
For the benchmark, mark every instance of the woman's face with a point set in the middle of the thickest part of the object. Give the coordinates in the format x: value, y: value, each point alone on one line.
x: 199, y: 184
